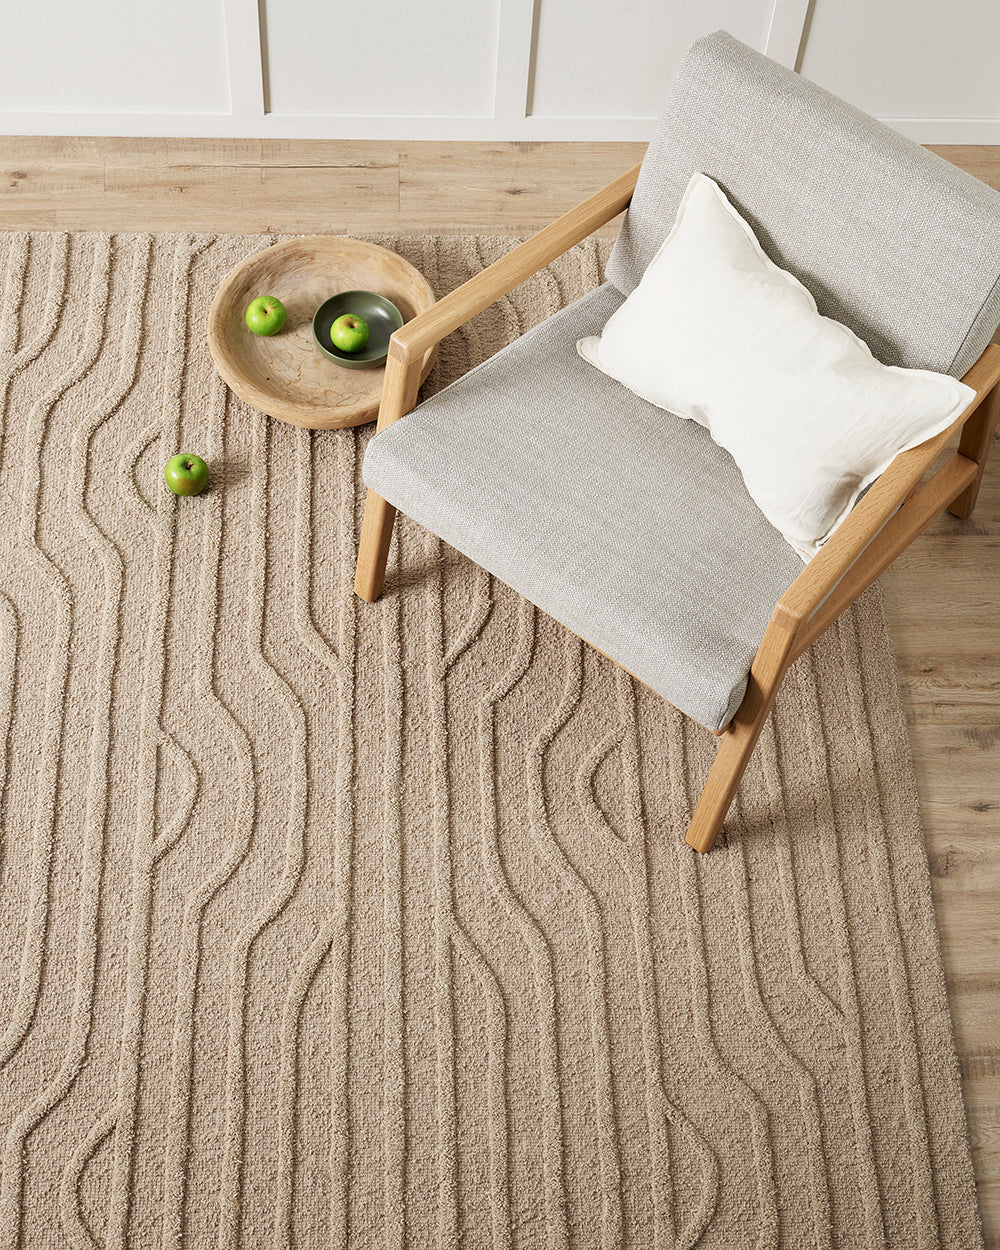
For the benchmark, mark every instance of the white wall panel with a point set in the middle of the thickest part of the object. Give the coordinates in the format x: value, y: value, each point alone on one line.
x: 413, y: 58
x: 901, y: 59
x: 114, y: 56
x: 469, y: 69
x: 615, y: 58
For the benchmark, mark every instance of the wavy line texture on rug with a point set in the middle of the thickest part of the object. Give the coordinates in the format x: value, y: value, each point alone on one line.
x: 332, y: 924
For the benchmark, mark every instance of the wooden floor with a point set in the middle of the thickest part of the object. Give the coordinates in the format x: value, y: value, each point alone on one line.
x: 943, y: 596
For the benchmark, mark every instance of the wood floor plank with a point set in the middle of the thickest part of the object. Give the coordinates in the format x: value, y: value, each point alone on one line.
x: 330, y: 153
x: 32, y: 191
x: 258, y: 198
x: 501, y: 183
x: 979, y: 161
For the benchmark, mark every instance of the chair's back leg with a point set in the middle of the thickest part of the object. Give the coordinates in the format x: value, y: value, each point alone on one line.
x: 977, y: 438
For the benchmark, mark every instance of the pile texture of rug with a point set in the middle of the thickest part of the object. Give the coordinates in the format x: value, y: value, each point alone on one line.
x: 333, y: 924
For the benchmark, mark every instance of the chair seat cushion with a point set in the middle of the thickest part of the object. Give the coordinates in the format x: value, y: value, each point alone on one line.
x: 624, y: 522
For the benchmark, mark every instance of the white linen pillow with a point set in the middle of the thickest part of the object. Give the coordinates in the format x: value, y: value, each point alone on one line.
x: 718, y: 333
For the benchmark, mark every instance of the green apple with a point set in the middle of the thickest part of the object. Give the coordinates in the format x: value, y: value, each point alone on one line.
x: 350, y: 333
x: 266, y: 315
x: 186, y: 474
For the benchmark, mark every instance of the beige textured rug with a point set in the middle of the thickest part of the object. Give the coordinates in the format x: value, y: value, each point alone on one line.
x: 328, y: 924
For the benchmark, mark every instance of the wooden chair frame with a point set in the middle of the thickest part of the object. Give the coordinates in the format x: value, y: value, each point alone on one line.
x: 897, y: 508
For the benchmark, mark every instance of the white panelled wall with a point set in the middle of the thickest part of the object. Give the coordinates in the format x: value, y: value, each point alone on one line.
x: 470, y: 69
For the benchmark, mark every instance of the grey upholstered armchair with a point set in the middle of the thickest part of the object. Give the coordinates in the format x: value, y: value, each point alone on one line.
x: 633, y: 527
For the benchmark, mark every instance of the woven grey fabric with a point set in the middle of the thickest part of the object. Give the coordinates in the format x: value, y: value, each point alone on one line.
x: 891, y: 240
x: 624, y: 522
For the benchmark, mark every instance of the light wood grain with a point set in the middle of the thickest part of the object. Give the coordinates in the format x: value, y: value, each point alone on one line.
x: 979, y: 161
x: 285, y: 375
x: 736, y: 744
x: 520, y: 263
x: 942, y: 594
x: 399, y: 395
x: 298, y: 187
x: 508, y: 182
x: 977, y: 439
x: 853, y: 540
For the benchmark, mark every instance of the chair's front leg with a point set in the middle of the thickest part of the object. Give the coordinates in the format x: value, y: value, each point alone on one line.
x: 737, y: 743
x: 373, y: 548
x: 399, y: 395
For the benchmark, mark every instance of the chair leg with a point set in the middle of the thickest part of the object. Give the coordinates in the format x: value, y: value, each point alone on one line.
x: 977, y: 437
x: 399, y: 394
x: 735, y: 748
x: 736, y: 745
x: 373, y: 549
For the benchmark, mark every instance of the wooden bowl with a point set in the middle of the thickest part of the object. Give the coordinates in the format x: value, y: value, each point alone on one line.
x: 285, y: 375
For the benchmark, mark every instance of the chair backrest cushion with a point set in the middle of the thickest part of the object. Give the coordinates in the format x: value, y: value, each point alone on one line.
x: 891, y: 239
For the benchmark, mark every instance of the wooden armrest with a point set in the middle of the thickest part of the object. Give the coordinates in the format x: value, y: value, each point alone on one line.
x: 889, y: 494
x: 419, y: 335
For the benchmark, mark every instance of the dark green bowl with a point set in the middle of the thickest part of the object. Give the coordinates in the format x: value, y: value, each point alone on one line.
x: 383, y: 319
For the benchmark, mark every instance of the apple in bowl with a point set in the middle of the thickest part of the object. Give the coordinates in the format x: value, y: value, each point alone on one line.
x: 353, y: 328
x: 350, y: 333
